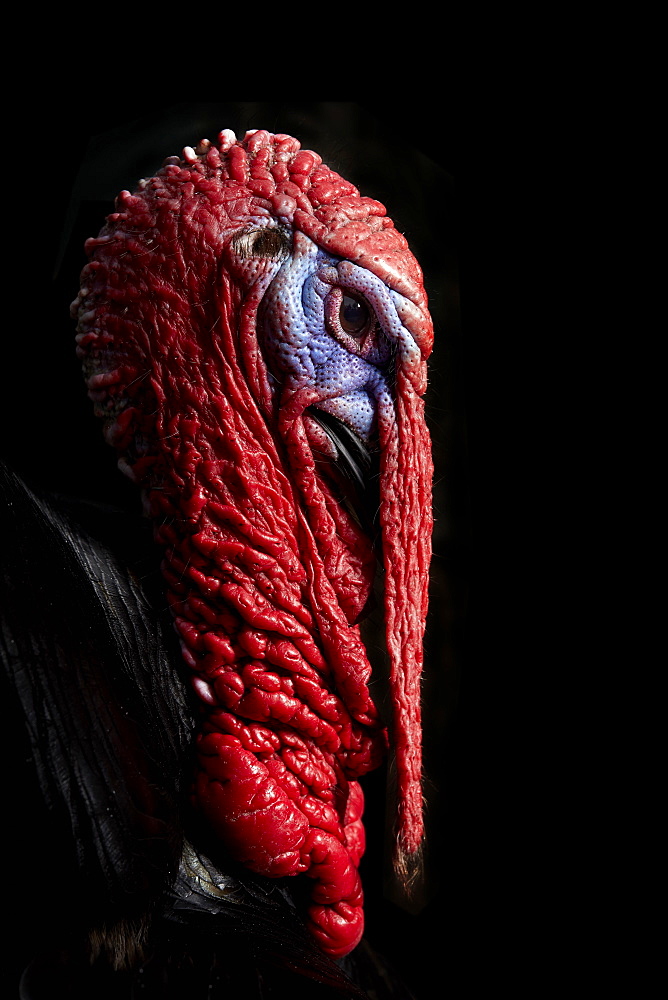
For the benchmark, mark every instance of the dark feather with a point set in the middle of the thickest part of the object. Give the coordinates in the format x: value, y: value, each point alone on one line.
x: 92, y: 659
x: 108, y: 722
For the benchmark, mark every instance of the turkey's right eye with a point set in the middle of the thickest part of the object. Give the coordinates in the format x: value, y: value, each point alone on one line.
x: 269, y: 243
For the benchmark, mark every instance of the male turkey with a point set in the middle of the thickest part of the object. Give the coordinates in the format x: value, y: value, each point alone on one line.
x: 254, y: 336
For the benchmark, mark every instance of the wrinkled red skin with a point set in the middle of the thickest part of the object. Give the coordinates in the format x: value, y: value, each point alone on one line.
x: 266, y: 571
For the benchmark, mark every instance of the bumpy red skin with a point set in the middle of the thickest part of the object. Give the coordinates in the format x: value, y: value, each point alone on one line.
x: 266, y: 571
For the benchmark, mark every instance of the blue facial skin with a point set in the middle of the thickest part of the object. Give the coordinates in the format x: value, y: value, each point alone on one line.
x: 334, y: 327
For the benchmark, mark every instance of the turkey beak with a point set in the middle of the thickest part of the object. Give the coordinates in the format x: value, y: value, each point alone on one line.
x: 358, y: 467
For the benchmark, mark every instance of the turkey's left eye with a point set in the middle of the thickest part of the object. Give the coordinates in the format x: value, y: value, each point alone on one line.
x: 353, y: 315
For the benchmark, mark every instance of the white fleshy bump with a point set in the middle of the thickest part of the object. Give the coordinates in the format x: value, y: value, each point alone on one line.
x: 189, y: 154
x: 123, y: 466
x: 226, y: 138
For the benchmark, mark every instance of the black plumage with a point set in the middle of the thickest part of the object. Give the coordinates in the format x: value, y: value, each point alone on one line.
x: 93, y: 662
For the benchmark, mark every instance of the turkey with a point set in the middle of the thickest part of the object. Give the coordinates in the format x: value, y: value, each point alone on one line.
x: 254, y: 336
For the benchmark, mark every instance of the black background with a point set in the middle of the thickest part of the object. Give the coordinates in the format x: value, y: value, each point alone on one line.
x: 447, y: 182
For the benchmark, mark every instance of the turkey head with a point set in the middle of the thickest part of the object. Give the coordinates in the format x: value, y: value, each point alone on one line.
x: 254, y: 335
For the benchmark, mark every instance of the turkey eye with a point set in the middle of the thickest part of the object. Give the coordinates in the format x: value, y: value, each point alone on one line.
x: 353, y: 315
x: 268, y: 243
x: 272, y: 244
